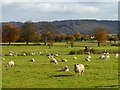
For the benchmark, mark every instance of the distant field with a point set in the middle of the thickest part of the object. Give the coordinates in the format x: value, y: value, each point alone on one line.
x: 42, y: 74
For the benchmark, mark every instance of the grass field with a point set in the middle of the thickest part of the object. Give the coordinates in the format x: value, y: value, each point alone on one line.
x: 42, y: 74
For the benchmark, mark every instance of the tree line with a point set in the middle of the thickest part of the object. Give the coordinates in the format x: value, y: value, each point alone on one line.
x: 27, y: 33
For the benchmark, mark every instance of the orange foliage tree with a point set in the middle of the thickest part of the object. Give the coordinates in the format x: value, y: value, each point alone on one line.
x: 77, y: 36
x: 63, y: 36
x: 101, y: 35
x: 10, y: 33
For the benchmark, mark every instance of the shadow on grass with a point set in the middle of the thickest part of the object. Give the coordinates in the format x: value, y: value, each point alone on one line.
x: 61, y: 75
x: 112, y: 86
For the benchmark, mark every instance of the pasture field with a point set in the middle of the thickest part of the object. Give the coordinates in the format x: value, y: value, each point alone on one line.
x: 42, y: 74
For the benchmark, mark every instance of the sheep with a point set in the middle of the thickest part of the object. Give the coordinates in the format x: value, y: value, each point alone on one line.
x: 74, y: 57
x: 53, y: 61
x: 88, y: 56
x: 107, y: 57
x: 10, y: 63
x: 107, y: 53
x: 88, y: 53
x: 87, y: 59
x: 2, y: 58
x: 50, y: 56
x: 116, y: 55
x: 65, y: 69
x: 15, y: 54
x: 56, y: 55
x: 23, y: 54
x: 79, y: 68
x: 39, y: 52
x: 63, y: 60
x: 102, y: 57
x: 10, y: 54
x: 32, y: 60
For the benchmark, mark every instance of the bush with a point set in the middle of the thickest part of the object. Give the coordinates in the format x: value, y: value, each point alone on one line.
x: 94, y: 51
x: 80, y: 52
x: 73, y: 52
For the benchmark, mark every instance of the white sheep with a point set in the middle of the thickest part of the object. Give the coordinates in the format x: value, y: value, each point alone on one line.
x: 88, y: 53
x: 107, y: 53
x: 53, y: 60
x: 102, y: 57
x: 15, y: 54
x: 40, y: 52
x: 23, y: 54
x: 65, y: 68
x: 79, y: 68
x: 74, y: 57
x: 56, y: 55
x: 32, y: 60
x: 107, y: 57
x: 63, y: 60
x: 116, y: 55
x: 10, y: 63
x: 2, y: 58
x: 10, y: 54
x: 87, y: 59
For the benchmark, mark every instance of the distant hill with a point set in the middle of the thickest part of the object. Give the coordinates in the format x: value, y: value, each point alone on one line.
x: 76, y: 26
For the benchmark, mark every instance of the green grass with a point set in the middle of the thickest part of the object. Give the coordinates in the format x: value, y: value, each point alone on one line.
x: 42, y: 74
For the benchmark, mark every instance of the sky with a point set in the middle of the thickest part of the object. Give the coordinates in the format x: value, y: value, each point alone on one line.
x: 51, y: 11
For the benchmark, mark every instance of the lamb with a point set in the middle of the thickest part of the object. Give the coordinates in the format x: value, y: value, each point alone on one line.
x: 10, y: 54
x: 79, y: 68
x: 2, y: 58
x: 56, y: 55
x: 53, y: 60
x: 63, y: 60
x: 74, y: 57
x: 87, y: 59
x: 23, y: 54
x: 102, y: 57
x: 32, y: 60
x: 107, y: 57
x: 65, y: 69
x: 10, y: 63
x: 116, y: 55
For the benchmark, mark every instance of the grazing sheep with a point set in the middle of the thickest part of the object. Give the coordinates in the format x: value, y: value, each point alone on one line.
x: 65, y: 68
x: 53, y: 61
x: 116, y: 55
x: 32, y: 60
x: 74, y: 57
x: 56, y: 55
x: 46, y: 51
x: 2, y: 58
x: 63, y: 60
x: 40, y: 52
x: 10, y: 54
x: 107, y: 53
x: 10, y: 63
x: 88, y: 53
x: 23, y: 54
x: 79, y: 68
x: 107, y: 57
x: 88, y: 56
x: 102, y: 57
x: 48, y: 55
x: 15, y: 54
x: 87, y: 59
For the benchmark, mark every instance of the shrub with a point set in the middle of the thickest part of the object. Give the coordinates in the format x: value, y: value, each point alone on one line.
x: 80, y: 52
x: 94, y: 51
x: 73, y: 52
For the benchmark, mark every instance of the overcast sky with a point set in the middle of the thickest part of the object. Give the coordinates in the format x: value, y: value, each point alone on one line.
x: 44, y: 11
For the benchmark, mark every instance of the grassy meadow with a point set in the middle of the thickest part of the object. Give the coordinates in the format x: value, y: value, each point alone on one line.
x: 42, y: 74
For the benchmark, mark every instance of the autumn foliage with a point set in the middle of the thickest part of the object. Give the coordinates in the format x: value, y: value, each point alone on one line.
x: 10, y: 33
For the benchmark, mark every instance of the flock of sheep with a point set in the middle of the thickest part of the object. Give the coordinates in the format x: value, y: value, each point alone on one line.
x: 78, y: 68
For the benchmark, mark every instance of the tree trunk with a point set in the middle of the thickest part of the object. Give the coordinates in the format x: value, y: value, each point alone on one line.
x: 49, y: 46
x: 98, y: 44
x: 9, y: 42
x: 45, y: 41
x: 27, y: 43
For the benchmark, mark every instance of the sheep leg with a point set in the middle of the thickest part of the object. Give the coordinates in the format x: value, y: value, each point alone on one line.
x: 79, y: 73
x: 82, y: 72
